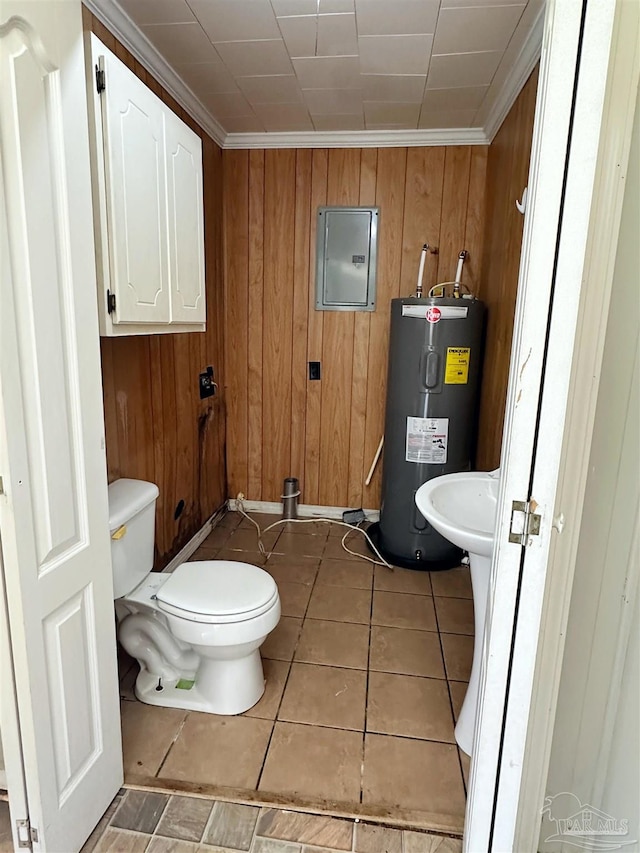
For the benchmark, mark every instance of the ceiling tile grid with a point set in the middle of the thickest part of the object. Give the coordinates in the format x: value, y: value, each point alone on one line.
x: 333, y: 65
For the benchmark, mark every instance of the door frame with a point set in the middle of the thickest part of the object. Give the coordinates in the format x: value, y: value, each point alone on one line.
x: 503, y: 810
x: 10, y: 736
x: 613, y: 158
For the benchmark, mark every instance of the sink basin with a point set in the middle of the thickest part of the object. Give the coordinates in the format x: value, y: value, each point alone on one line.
x: 462, y: 507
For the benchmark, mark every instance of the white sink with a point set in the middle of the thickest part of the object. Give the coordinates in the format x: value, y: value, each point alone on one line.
x: 462, y: 507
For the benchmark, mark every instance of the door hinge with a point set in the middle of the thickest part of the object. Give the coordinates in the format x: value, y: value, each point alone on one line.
x: 524, y: 522
x: 1, y: 486
x: 100, y: 80
x: 111, y: 302
x: 27, y: 834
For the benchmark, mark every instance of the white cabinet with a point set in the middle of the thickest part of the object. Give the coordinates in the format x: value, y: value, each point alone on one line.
x: 148, y: 206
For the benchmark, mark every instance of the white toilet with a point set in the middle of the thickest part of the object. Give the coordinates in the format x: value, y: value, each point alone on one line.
x: 196, y: 632
x: 462, y: 508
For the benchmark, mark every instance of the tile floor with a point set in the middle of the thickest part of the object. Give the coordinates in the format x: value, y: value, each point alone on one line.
x: 163, y: 823
x: 366, y: 673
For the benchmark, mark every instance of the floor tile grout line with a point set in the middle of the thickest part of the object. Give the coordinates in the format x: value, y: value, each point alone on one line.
x: 208, y: 823
x: 173, y: 743
x: 453, y: 716
x: 366, y: 695
x: 275, y: 719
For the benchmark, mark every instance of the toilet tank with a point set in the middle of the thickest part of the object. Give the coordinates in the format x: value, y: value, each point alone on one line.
x: 132, y: 512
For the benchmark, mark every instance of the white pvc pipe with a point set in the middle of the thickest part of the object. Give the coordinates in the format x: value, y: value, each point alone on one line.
x: 461, y: 258
x: 423, y: 256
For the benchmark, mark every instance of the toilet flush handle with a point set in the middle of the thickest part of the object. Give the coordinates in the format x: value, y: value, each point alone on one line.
x: 120, y: 532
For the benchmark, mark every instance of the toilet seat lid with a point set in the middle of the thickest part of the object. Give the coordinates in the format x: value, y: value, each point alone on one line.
x: 217, y: 591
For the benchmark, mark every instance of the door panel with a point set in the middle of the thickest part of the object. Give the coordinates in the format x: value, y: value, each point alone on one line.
x: 53, y: 515
x: 134, y: 145
x: 186, y: 223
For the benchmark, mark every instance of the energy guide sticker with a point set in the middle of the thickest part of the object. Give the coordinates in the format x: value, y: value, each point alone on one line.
x: 456, y: 370
x: 427, y: 440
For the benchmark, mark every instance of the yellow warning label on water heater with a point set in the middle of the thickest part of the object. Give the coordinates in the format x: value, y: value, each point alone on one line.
x: 456, y: 371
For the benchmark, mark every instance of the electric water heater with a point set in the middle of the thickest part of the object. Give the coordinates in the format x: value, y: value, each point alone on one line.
x: 435, y: 354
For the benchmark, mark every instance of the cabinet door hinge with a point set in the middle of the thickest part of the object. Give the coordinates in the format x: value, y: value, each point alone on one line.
x: 111, y: 302
x: 100, y: 80
x: 524, y: 522
x: 27, y: 834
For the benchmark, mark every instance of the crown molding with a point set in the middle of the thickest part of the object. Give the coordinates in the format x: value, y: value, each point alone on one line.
x: 525, y: 49
x: 520, y: 59
x: 358, y: 138
x: 124, y: 29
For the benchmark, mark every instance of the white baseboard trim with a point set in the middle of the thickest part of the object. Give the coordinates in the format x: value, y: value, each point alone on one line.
x: 304, y: 510
x: 194, y: 543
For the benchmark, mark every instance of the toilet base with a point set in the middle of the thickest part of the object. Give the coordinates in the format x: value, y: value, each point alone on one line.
x: 225, y: 687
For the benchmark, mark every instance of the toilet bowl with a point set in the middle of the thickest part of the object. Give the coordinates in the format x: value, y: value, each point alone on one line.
x: 462, y: 508
x: 196, y: 632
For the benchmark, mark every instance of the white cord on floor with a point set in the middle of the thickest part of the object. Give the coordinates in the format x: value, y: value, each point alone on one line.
x: 352, y: 527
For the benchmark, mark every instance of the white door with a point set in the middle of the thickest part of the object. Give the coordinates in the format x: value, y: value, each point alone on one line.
x: 53, y: 509
x: 577, y: 50
x: 133, y: 137
x: 186, y: 222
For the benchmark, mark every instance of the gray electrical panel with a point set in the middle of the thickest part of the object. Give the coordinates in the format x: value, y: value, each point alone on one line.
x: 346, y: 258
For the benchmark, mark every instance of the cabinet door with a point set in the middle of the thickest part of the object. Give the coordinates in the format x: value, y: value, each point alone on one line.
x: 186, y: 222
x: 133, y: 128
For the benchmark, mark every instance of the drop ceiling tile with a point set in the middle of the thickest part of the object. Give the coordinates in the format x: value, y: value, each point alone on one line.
x: 243, y: 124
x: 338, y: 122
x: 463, y: 69
x: 333, y: 101
x: 281, y: 89
x: 391, y: 112
x: 463, y: 98
x: 229, y: 20
x: 337, y: 35
x: 180, y: 43
x: 381, y: 17
x: 327, y: 6
x: 300, y: 34
x: 328, y: 72
x: 282, y: 117
x: 395, y: 54
x: 430, y: 119
x: 379, y: 126
x: 248, y: 58
x: 294, y: 7
x: 229, y: 104
x: 467, y: 30
x: 393, y: 87
x: 158, y: 11
x: 454, y: 4
x: 207, y: 77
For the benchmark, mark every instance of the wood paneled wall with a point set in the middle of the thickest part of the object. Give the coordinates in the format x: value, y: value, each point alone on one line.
x: 326, y: 432
x: 507, y: 175
x: 157, y: 428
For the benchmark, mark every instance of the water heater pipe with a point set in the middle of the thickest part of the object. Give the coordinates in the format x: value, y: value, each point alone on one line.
x: 423, y: 257
x: 456, y: 286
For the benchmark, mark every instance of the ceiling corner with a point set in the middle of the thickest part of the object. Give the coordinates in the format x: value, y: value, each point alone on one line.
x: 123, y: 28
